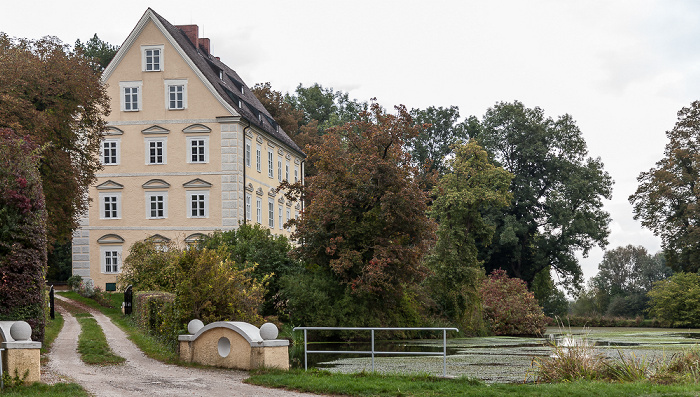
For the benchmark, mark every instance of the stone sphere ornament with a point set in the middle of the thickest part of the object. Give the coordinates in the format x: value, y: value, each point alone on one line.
x: 21, y: 331
x: 194, y: 326
x: 268, y: 331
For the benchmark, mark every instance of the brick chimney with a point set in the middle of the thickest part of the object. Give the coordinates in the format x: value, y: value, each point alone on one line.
x: 204, y: 45
x: 192, y: 33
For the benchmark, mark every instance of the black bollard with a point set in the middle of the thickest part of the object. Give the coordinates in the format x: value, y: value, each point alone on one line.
x: 128, y: 299
x: 51, y: 307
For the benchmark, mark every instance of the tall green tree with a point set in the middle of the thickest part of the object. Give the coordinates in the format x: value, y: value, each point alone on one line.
x: 558, y: 192
x: 668, y: 195
x: 434, y: 143
x: 473, y: 187
x: 99, y: 52
x: 54, y: 96
x: 366, y: 221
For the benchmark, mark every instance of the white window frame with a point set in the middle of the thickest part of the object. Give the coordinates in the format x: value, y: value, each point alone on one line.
x: 117, y: 155
x: 258, y: 157
x: 288, y: 214
x: 123, y: 85
x: 281, y: 220
x: 175, y: 83
x: 286, y: 171
x: 118, y: 205
x: 258, y: 210
x: 111, y: 249
x: 190, y: 142
x: 148, y: 204
x: 160, y: 64
x: 191, y: 195
x: 270, y: 164
x: 248, y: 215
x: 164, y: 141
x: 296, y: 173
x: 247, y: 152
x: 279, y: 170
x: 271, y: 213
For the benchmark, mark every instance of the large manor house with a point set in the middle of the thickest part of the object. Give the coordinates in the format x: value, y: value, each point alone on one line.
x: 188, y: 150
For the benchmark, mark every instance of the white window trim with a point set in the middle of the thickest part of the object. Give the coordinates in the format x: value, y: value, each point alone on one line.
x: 148, y: 204
x: 279, y: 170
x: 286, y: 172
x: 206, y: 149
x: 118, y: 195
x: 103, y: 264
x: 248, y: 213
x: 270, y: 164
x: 139, y: 97
x: 192, y: 193
x: 168, y: 84
x: 281, y: 220
x: 161, y: 62
x: 258, y: 210
x: 271, y: 213
x: 258, y: 157
x: 147, y: 148
x: 247, y: 152
x: 117, y: 148
x: 296, y: 173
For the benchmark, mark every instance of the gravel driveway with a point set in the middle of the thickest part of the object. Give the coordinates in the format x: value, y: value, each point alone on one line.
x: 140, y: 375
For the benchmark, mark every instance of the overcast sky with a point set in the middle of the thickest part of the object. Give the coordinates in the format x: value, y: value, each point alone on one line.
x: 621, y: 69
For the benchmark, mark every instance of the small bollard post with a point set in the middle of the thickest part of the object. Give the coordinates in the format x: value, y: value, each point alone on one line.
x: 51, y: 304
x: 128, y: 300
x: 2, y: 384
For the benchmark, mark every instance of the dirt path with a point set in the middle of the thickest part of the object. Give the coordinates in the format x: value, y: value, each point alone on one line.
x: 140, y: 375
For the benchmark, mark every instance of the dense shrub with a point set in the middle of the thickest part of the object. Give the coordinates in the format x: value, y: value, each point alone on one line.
x: 676, y: 300
x: 155, y: 312
x: 509, y: 308
x: 22, y: 233
x: 206, y: 285
x: 252, y: 245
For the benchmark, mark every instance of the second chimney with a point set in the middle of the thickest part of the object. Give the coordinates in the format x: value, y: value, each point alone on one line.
x: 192, y: 33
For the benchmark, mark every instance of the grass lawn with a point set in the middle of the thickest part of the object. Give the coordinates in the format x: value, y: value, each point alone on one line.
x: 41, y: 389
x: 367, y: 384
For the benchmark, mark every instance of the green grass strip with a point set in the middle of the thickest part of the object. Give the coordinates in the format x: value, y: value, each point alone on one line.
x: 151, y: 346
x: 93, y: 346
x: 53, y: 327
x: 377, y: 385
x: 41, y: 389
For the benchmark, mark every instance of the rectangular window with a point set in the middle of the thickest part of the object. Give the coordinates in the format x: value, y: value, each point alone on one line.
x: 286, y: 172
x: 247, y: 153
x: 157, y: 205
x: 175, y: 93
x: 152, y: 58
x: 281, y: 221
x: 198, y: 204
x: 110, y: 152
x: 287, y: 218
x: 111, y: 259
x: 258, y: 209
x: 156, y: 151
x: 198, y: 150
x: 271, y: 213
x: 110, y: 204
x: 258, y: 154
x: 248, y: 215
x: 296, y: 173
x: 270, y: 170
x: 131, y: 99
x: 279, y: 170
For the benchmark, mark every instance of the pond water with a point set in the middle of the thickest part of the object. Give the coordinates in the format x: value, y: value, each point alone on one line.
x: 500, y: 359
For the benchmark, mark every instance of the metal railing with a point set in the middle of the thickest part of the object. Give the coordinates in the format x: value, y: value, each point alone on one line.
x: 375, y: 352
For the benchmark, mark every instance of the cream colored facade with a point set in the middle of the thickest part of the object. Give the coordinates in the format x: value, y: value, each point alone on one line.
x: 184, y: 154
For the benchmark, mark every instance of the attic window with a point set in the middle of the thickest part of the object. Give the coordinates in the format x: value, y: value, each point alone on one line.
x: 221, y: 74
x: 242, y: 90
x: 260, y: 118
x: 240, y: 104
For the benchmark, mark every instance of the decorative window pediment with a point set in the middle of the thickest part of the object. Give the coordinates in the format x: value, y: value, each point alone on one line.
x: 280, y: 152
x: 194, y: 238
x: 249, y: 187
x: 259, y: 192
x: 297, y: 207
x: 281, y: 200
x: 155, y: 130
x: 197, y: 184
x: 156, y: 184
x: 248, y: 134
x: 296, y: 161
x: 110, y: 185
x: 110, y: 239
x: 113, y: 131
x: 259, y: 139
x: 270, y: 144
x: 288, y: 156
x: 272, y: 192
x: 158, y: 238
x: 196, y: 129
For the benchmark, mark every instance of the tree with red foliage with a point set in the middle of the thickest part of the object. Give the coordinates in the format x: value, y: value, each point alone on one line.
x: 366, y: 219
x: 509, y: 308
x: 22, y: 233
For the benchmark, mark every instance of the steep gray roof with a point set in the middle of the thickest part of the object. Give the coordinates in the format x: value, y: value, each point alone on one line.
x: 229, y: 86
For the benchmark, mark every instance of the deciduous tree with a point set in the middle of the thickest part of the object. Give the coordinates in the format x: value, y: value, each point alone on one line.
x: 668, y: 197
x: 434, y: 143
x: 557, y: 206
x: 54, y: 96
